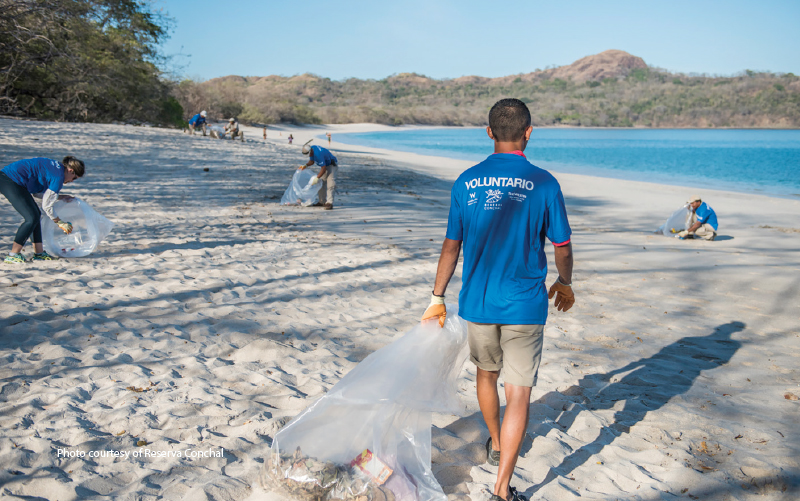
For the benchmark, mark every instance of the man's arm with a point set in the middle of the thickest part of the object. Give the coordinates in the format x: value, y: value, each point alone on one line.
x: 694, y: 227
x: 444, y: 272
x: 322, y: 171
x: 448, y: 260
x: 564, y: 262
x: 562, y: 288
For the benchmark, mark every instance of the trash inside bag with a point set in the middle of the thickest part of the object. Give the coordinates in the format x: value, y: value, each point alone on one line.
x: 300, y: 190
x: 88, y: 229
x: 216, y: 131
x: 369, y: 437
x: 677, y: 222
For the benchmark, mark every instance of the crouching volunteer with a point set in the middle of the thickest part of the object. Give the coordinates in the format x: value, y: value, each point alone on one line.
x: 327, y: 174
x: 501, y: 210
x: 233, y: 128
x: 704, y: 221
x: 36, y: 175
x: 198, y: 122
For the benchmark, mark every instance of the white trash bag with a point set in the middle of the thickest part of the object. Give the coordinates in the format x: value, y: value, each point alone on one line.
x: 300, y: 190
x: 88, y: 229
x: 679, y: 220
x: 369, y: 437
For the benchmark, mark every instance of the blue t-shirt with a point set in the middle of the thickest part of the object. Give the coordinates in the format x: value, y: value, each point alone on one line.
x: 706, y: 214
x: 322, y: 157
x: 502, y: 209
x: 197, y: 120
x: 37, y: 174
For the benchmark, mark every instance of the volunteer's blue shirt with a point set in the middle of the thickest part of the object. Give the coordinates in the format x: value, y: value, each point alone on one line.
x: 197, y: 120
x: 37, y: 174
x: 706, y: 214
x: 322, y: 156
x: 502, y: 209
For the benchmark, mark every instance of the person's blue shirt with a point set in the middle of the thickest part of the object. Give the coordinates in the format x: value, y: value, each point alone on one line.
x: 37, y: 174
x: 197, y: 120
x: 706, y: 214
x: 502, y: 209
x: 322, y: 156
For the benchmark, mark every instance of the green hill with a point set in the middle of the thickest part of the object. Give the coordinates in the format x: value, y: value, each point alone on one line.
x: 611, y: 89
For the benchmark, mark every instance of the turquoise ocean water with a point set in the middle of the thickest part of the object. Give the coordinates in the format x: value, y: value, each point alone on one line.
x: 754, y: 161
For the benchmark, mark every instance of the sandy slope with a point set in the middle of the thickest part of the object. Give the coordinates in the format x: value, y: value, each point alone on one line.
x: 231, y: 314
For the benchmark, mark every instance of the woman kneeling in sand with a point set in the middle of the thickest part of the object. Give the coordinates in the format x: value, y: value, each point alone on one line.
x: 36, y: 175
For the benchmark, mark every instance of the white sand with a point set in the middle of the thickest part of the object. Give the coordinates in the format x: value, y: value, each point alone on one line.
x: 666, y: 380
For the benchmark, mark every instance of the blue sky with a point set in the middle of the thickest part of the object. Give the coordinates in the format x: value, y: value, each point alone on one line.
x: 453, y: 38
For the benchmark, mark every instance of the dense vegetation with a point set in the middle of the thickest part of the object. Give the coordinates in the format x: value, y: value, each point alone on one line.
x: 99, y: 60
x: 645, y: 97
x: 84, y: 60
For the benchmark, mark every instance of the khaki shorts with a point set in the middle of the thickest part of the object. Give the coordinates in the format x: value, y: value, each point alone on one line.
x: 517, y: 349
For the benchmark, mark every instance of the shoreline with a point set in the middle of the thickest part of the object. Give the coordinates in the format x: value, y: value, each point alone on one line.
x: 449, y: 168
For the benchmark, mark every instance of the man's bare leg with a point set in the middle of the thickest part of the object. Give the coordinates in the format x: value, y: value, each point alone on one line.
x: 489, y: 402
x: 515, y: 424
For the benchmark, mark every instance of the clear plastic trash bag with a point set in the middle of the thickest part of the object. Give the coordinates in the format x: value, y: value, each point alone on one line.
x: 300, y: 190
x: 369, y: 437
x: 88, y: 229
x: 677, y: 222
x: 216, y: 131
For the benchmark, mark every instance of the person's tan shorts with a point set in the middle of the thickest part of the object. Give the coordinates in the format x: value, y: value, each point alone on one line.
x: 516, y: 349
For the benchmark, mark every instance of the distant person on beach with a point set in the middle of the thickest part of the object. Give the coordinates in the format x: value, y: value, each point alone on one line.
x: 291, y: 138
x: 327, y: 174
x: 198, y: 122
x: 233, y: 128
x: 21, y: 179
x: 501, y: 210
x: 704, y: 221
x: 328, y: 135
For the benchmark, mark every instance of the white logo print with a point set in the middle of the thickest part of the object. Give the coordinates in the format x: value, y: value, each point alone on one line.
x: 472, y: 195
x: 493, y: 196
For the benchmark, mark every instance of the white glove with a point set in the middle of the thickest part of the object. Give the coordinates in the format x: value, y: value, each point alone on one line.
x: 436, y: 310
x: 314, y: 180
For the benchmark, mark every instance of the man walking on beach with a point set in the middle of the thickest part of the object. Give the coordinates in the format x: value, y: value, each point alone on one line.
x: 704, y: 221
x: 327, y: 174
x: 501, y: 210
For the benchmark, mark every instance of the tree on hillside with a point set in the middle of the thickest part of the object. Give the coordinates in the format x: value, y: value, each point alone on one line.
x: 84, y: 60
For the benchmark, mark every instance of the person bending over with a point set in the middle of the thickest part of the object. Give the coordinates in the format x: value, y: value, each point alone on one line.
x: 704, y: 221
x: 501, y: 210
x: 198, y: 122
x: 327, y: 173
x: 19, y: 180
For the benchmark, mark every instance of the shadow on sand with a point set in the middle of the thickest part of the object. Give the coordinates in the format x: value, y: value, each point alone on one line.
x: 642, y: 388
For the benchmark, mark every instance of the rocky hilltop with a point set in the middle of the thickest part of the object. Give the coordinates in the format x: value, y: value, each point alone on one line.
x: 609, y: 89
x: 608, y: 64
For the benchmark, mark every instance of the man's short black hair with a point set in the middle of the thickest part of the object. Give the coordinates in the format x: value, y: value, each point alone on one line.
x: 509, y: 118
